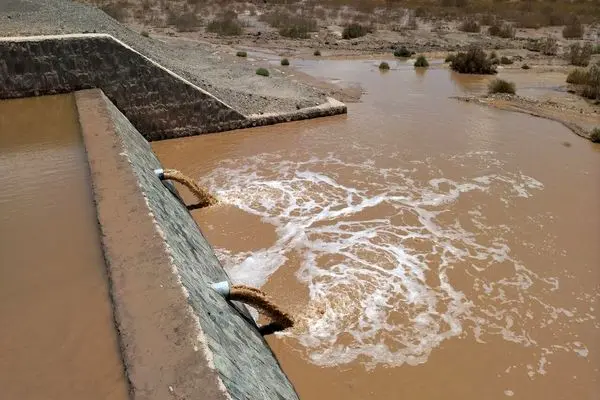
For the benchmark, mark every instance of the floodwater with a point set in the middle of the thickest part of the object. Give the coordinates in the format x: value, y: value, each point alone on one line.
x: 428, y: 248
x: 57, y: 336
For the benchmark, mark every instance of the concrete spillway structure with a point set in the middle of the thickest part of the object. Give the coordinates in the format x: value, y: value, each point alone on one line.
x: 177, y: 337
x: 158, y: 102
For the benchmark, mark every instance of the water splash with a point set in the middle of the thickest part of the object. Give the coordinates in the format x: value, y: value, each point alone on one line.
x: 396, y: 259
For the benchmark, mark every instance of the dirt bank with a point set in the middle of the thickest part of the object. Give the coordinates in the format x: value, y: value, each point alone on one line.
x: 581, y: 121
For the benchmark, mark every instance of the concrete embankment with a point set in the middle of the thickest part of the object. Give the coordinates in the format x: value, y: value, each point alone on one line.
x: 158, y: 102
x: 179, y: 338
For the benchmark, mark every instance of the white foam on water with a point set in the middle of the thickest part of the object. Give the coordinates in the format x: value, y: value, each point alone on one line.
x: 378, y: 247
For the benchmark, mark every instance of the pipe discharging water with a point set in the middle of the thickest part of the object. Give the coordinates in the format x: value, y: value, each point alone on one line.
x: 204, y: 197
x: 280, y: 320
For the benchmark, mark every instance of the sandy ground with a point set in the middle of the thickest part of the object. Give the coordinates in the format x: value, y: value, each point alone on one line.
x: 210, y: 61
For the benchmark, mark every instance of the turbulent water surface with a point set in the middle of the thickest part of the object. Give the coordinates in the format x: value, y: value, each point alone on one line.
x: 427, y: 248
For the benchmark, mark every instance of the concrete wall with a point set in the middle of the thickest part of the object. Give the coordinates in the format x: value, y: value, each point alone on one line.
x: 159, y: 103
x: 179, y: 338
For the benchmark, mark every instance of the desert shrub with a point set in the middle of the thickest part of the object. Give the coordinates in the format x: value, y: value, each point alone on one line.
x: 504, y: 31
x: 578, y: 76
x: 116, y: 10
x: 548, y: 46
x: 421, y: 62
x: 595, y: 135
x: 505, y: 60
x: 354, y: 30
x: 501, y: 86
x: 402, y: 52
x: 384, y: 66
x: 588, y: 81
x: 469, y: 25
x: 145, y: 33
x: 183, y: 22
x: 449, y: 58
x: 525, y: 66
x: 596, y: 49
x: 290, y: 25
x: 226, y: 24
x: 262, y: 72
x: 474, y: 61
x: 580, y: 55
x: 573, y: 30
x: 241, y: 54
x: 285, y: 61
x: 317, y: 53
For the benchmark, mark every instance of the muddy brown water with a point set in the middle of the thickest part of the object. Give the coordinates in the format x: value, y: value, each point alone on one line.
x: 57, y: 336
x: 427, y: 247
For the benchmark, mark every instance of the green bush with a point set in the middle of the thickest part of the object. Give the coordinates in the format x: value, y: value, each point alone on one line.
x: 225, y: 25
x: 402, y: 52
x: 421, y: 62
x: 549, y: 46
x: 145, y: 33
x: 474, y: 61
x: 595, y: 135
x: 501, y: 86
x: 470, y: 25
x: 504, y: 31
x: 449, y: 58
x: 580, y: 55
x: 285, y: 61
x: 290, y: 25
x: 587, y: 81
x: 317, y: 53
x: 262, y: 72
x: 573, y: 30
x: 505, y: 60
x: 384, y: 66
x: 354, y: 30
x: 578, y: 76
x: 241, y: 54
x: 525, y: 66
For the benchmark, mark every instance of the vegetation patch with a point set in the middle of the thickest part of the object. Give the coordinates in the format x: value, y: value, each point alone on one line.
x: 449, y: 58
x: 525, y: 66
x: 580, y: 55
x: 573, y: 30
x: 595, y: 135
x: 501, y: 86
x: 225, y: 25
x: 355, y: 30
x: 290, y: 24
x: 285, y: 62
x: 506, y: 31
x: 474, y: 61
x: 241, y: 54
x: 317, y: 53
x: 470, y: 25
x: 505, y: 60
x: 421, y: 62
x: 145, y: 33
x: 183, y: 22
x: 117, y: 10
x: 262, y: 72
x: 384, y: 66
x: 403, y: 52
x: 587, y: 81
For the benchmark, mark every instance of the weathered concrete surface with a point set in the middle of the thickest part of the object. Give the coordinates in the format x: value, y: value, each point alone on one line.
x: 159, y: 103
x: 180, y: 339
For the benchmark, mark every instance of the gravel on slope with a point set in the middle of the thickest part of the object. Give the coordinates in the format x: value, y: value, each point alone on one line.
x: 227, y: 77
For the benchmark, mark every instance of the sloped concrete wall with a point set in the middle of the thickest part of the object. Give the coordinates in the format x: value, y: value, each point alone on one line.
x: 158, y: 103
x: 179, y: 338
